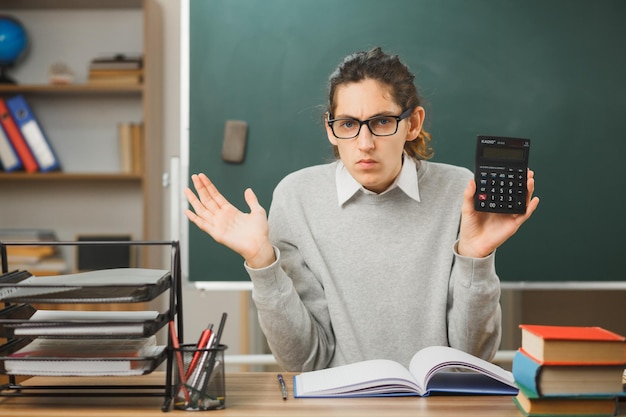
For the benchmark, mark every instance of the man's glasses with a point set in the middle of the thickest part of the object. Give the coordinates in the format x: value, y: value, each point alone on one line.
x: 347, y: 128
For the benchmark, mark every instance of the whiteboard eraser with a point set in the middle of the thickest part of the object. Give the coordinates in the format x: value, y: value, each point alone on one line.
x: 234, y: 145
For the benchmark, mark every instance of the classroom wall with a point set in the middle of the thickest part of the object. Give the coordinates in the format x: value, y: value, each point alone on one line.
x: 605, y: 308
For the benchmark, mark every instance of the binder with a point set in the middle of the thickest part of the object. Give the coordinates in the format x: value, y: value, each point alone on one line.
x: 17, y: 140
x: 33, y: 133
x: 8, y: 157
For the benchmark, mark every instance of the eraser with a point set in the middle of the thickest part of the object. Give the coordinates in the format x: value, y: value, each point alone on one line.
x: 234, y: 146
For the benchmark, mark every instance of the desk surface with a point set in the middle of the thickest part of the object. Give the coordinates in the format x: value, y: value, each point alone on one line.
x: 252, y: 394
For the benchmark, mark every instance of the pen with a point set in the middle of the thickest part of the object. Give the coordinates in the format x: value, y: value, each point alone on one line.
x: 201, y: 367
x: 197, y: 379
x: 283, y: 387
x: 220, y: 329
x: 202, y: 343
x: 201, y: 379
x: 214, y: 344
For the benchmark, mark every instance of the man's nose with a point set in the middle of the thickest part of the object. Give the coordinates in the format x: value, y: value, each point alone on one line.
x: 365, y: 138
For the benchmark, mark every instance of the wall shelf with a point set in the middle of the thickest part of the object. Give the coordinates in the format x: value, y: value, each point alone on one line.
x: 71, y: 4
x: 71, y: 89
x: 60, y: 176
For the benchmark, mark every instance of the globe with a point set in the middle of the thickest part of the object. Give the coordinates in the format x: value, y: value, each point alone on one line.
x: 13, y: 42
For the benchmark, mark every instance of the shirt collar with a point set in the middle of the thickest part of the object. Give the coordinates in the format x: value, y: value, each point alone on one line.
x: 347, y: 186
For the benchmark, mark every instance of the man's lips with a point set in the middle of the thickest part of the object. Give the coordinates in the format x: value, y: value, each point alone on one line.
x: 366, y: 163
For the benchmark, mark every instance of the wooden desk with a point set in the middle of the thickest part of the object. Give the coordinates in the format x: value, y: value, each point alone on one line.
x: 251, y: 394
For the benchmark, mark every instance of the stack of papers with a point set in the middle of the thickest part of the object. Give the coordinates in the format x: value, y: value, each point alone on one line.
x: 93, y: 357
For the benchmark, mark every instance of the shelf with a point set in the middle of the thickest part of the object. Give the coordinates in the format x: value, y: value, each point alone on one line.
x: 82, y: 121
x: 72, y: 89
x: 60, y: 176
x: 71, y: 4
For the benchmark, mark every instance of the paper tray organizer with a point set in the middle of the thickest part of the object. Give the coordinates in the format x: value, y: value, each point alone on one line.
x: 17, y: 325
x: 18, y: 318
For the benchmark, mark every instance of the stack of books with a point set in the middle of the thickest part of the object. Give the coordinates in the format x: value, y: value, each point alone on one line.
x: 130, y: 136
x: 569, y: 370
x: 116, y: 69
x: 38, y: 259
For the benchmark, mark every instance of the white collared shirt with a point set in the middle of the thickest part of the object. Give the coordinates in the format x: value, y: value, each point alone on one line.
x: 347, y: 186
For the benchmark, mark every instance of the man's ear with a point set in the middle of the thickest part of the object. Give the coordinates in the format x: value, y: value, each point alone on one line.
x: 416, y: 121
x: 329, y: 132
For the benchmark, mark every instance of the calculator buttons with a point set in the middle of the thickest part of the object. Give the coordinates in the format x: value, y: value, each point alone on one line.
x: 501, y: 191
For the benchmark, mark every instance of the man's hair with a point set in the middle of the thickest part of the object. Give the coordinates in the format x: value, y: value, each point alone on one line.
x: 390, y: 71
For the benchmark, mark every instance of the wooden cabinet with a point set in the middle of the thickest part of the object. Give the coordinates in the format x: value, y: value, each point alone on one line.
x: 90, y: 194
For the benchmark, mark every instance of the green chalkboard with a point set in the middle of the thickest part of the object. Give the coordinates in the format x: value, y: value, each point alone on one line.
x: 552, y: 71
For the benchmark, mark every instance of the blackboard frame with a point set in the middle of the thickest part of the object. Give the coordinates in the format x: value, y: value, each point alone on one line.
x: 560, y: 84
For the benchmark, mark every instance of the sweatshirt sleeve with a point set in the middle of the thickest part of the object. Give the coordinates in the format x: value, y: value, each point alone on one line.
x: 291, y: 304
x: 474, y: 313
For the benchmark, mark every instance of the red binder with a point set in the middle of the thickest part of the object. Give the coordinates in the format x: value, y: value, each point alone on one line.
x: 16, y: 138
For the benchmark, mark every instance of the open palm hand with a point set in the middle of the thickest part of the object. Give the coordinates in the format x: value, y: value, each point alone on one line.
x: 245, y: 233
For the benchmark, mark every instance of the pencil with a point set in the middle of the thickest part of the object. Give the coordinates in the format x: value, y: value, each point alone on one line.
x: 179, y: 360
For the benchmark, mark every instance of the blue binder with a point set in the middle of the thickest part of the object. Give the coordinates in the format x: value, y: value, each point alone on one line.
x: 8, y: 157
x: 33, y: 133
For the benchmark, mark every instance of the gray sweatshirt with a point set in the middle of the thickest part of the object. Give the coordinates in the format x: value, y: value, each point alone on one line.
x: 377, y: 277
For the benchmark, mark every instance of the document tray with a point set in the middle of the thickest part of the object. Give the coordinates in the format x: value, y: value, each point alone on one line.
x: 81, y: 364
x: 122, y: 285
x: 21, y: 320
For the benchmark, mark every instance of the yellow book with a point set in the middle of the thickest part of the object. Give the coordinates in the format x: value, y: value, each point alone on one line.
x: 557, y: 406
x: 126, y: 147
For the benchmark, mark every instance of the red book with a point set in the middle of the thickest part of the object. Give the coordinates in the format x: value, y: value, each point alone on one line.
x: 16, y: 138
x: 573, y: 345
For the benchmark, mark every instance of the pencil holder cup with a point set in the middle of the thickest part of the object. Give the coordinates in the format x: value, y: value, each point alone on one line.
x: 199, y: 380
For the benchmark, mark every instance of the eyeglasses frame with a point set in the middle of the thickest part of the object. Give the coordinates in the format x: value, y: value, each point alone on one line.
x: 366, y: 122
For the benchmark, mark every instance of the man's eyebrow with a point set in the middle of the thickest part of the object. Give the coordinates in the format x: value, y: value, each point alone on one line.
x: 383, y: 113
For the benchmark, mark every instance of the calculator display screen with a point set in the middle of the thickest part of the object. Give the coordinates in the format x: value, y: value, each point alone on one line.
x: 510, y: 154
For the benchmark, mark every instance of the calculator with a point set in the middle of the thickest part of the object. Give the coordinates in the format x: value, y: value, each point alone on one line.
x: 500, y: 174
